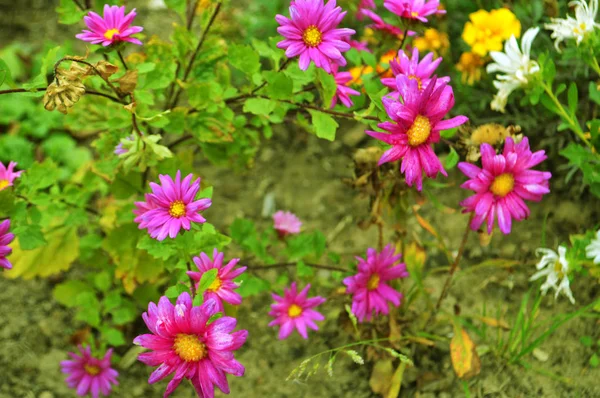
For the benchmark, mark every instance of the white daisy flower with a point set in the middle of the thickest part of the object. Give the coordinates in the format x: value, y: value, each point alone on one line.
x: 555, y: 268
x: 574, y: 28
x: 516, y: 65
x: 593, y: 249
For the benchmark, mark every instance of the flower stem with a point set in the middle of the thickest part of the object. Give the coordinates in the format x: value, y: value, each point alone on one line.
x: 573, y: 123
x: 122, y: 59
x: 284, y: 265
x: 90, y: 92
x: 454, y: 266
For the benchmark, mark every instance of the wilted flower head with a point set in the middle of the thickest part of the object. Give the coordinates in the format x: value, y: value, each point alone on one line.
x: 8, y: 175
x: 312, y: 33
x: 183, y: 342
x: 502, y: 185
x: 371, y: 293
x: 89, y: 375
x: 575, y: 28
x: 171, y: 206
x: 114, y: 27
x: 295, y: 311
x: 419, y: 71
x: 591, y: 251
x: 415, y: 126
x: 555, y: 268
x: 286, y: 223
x: 222, y: 288
x: 516, y: 65
x: 342, y: 92
x: 487, y: 30
x: 414, y: 9
x: 5, y: 239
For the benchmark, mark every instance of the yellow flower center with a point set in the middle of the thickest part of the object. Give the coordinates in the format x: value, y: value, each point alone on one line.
x: 503, y: 185
x: 3, y: 184
x: 189, y: 347
x: 419, y: 82
x: 294, y: 311
x: 215, y: 285
x: 414, y: 14
x: 110, y: 33
x: 373, y: 282
x: 312, y: 36
x: 419, y: 132
x: 91, y: 369
x: 177, y: 209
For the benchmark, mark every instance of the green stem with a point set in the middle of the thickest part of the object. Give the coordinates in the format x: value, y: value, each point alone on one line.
x: 573, y: 124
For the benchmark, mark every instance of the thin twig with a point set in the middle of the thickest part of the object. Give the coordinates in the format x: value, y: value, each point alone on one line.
x: 91, y: 92
x: 122, y: 59
x: 284, y: 265
x: 78, y: 4
x: 454, y: 265
x: 328, y: 111
x: 192, y: 14
x: 188, y: 70
x: 179, y: 141
x: 257, y: 88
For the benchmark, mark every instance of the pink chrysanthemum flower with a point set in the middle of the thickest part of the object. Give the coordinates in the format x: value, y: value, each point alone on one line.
x: 5, y: 239
x: 8, y: 175
x: 222, y: 288
x: 295, y: 311
x: 89, y: 375
x: 370, y: 291
x: 286, y: 223
x: 114, y: 27
x: 414, y: 9
x: 343, y: 92
x: 312, y: 33
x: 183, y: 343
x: 502, y: 185
x: 359, y: 45
x: 420, y: 71
x: 415, y: 126
x: 171, y: 206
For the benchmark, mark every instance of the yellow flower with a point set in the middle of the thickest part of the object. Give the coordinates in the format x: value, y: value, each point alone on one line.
x: 471, y: 66
x: 383, y: 69
x: 433, y: 40
x: 486, y: 31
x: 358, y: 72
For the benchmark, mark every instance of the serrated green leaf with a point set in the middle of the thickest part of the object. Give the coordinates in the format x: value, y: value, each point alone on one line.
x: 206, y: 280
x: 259, y: 106
x: 244, y: 58
x: 451, y: 160
x: 66, y: 292
x: 324, y: 125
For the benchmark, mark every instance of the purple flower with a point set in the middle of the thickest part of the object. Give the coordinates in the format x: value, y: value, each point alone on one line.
x: 5, y: 239
x: 8, y: 175
x: 502, y: 185
x: 312, y: 33
x: 370, y: 291
x: 343, y: 92
x: 380, y: 24
x: 171, y: 206
x: 415, y: 127
x: 89, y: 375
x: 295, y: 311
x: 182, y: 342
x: 363, y: 5
x: 222, y: 288
x: 119, y: 150
x: 414, y: 9
x: 112, y: 28
x: 420, y: 71
x: 286, y: 223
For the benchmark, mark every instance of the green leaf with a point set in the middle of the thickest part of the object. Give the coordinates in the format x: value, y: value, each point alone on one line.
x: 244, y: 58
x: 175, y: 291
x: 594, y: 361
x: 573, y: 97
x: 113, y: 337
x: 123, y: 315
x: 40, y: 176
x: 5, y: 75
x: 57, y: 255
x: 207, y: 279
x: 594, y: 93
x: 327, y: 86
x: 325, y: 126
x: 47, y: 64
x: 69, y: 13
x: 103, y: 281
x: 252, y: 285
x: 88, y: 308
x: 30, y: 236
x: 451, y: 160
x: 111, y: 301
x: 161, y: 250
x: 178, y: 6
x: 279, y: 86
x: 587, y: 341
x: 66, y: 292
x: 259, y: 106
x: 304, y: 270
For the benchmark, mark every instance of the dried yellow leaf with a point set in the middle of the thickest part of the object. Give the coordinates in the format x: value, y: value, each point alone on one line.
x: 465, y: 360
